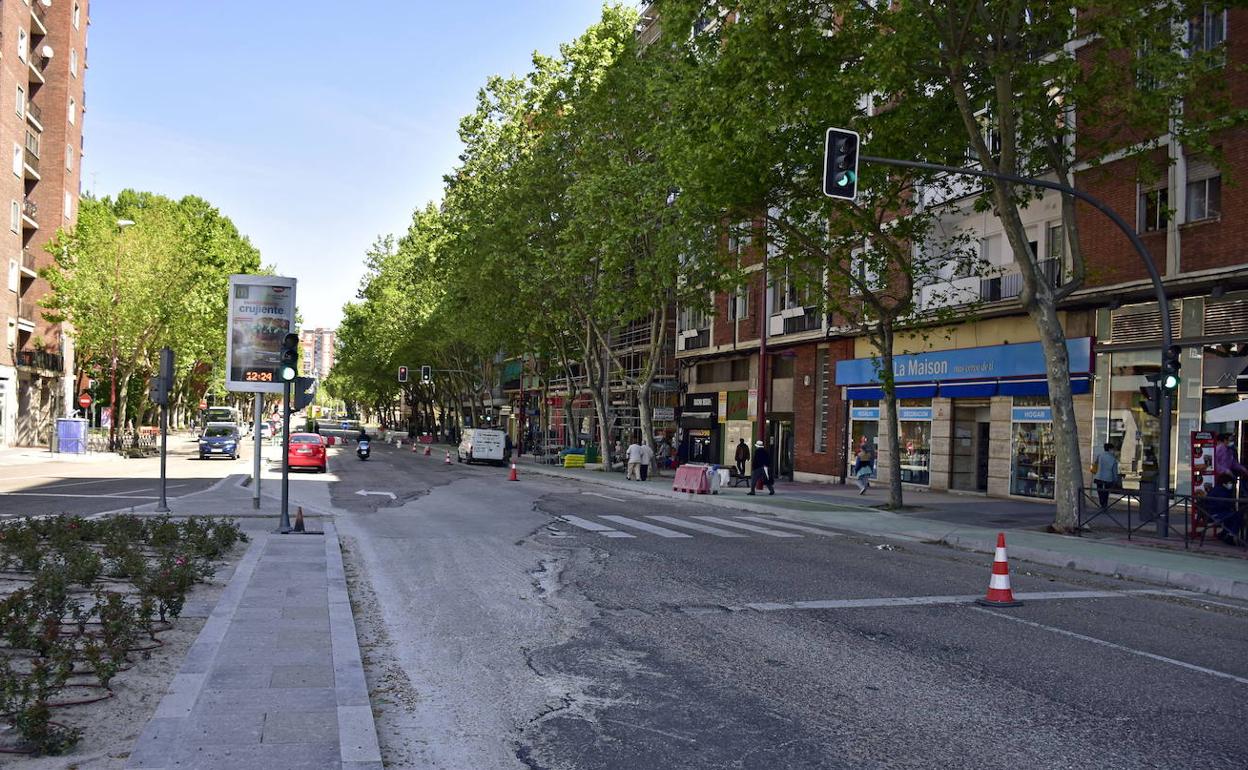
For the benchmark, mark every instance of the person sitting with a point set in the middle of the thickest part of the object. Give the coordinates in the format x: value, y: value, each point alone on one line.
x: 1220, y: 505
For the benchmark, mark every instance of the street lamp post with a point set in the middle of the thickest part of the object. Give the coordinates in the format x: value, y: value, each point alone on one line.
x: 122, y: 224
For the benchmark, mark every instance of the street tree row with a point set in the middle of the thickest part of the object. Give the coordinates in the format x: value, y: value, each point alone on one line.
x: 600, y: 189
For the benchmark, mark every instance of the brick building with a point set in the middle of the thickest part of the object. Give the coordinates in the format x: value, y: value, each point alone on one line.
x: 43, y: 60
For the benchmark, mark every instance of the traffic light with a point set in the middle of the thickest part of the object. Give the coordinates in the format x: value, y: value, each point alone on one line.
x: 1151, y: 401
x: 156, y: 391
x: 160, y: 386
x: 840, y: 164
x: 1170, y: 365
x: 426, y: 374
x: 289, y: 368
x: 402, y: 374
x: 304, y: 393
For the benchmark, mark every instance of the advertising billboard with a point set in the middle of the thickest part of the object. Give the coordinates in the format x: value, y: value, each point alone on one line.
x: 262, y: 313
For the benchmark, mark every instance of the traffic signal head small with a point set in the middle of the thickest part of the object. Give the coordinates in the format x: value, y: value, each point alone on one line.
x: 402, y: 374
x: 840, y: 164
x: 1151, y: 401
x: 426, y: 373
x: 1170, y: 366
x: 288, y: 369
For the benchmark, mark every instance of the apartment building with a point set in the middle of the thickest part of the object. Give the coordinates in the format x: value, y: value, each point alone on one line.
x: 43, y: 60
x: 316, y: 348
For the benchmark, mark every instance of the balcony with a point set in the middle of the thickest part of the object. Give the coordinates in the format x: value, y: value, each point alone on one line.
x: 1010, y: 285
x: 29, y: 268
x: 34, y: 116
x: 38, y: 63
x: 25, y: 314
x: 795, y: 320
x: 41, y: 359
x: 693, y: 340
x: 38, y: 18
x: 30, y: 213
x: 30, y: 158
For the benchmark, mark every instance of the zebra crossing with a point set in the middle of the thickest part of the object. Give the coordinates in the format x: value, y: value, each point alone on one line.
x: 684, y: 528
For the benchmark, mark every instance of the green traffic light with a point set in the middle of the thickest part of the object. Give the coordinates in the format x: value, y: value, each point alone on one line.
x: 845, y: 179
x: 288, y: 373
x: 1170, y: 382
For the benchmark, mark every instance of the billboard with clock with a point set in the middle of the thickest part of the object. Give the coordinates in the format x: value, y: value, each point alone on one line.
x: 262, y: 313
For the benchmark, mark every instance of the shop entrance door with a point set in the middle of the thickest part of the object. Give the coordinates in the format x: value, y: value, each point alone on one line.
x: 781, y: 444
x: 969, y: 453
x: 981, y: 457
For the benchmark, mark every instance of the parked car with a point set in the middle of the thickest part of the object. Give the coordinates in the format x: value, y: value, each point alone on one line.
x: 307, y: 450
x: 220, y: 439
x: 266, y: 431
x: 482, y: 445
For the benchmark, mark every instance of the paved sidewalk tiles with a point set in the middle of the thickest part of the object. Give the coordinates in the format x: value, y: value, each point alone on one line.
x: 274, y: 680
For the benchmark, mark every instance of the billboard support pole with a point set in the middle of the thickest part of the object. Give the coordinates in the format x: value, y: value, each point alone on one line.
x: 257, y: 412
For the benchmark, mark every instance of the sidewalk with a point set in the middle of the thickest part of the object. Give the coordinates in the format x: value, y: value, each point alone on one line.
x: 965, y: 522
x: 275, y: 679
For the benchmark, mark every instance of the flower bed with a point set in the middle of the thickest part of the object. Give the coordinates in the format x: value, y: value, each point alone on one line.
x: 78, y: 599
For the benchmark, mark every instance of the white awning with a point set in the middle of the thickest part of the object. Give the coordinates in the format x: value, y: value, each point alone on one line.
x: 1228, y: 413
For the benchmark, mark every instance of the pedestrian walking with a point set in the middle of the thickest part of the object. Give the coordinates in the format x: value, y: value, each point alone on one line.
x: 662, y: 457
x: 864, y: 465
x: 762, y: 469
x: 634, y: 461
x: 741, y: 456
x: 1105, y: 474
x: 647, y: 457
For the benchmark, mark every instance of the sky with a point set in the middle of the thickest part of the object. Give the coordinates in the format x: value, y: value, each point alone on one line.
x: 315, y: 125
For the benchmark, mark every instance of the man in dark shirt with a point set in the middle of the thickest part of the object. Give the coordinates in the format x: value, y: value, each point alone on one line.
x: 762, y: 469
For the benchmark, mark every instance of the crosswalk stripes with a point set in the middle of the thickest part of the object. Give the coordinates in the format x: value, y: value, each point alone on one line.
x: 696, y: 527
x: 594, y: 526
x: 787, y: 525
x: 747, y: 527
x: 710, y: 525
x: 653, y: 529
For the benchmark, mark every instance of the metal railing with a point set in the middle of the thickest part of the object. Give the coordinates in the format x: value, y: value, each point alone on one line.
x: 40, y: 11
x: 35, y: 112
x: 30, y: 209
x: 1010, y: 285
x: 28, y: 259
x: 701, y: 340
x: 41, y: 359
x: 1133, y: 510
x: 809, y: 320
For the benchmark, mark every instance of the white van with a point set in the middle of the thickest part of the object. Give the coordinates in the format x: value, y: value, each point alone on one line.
x: 483, y: 445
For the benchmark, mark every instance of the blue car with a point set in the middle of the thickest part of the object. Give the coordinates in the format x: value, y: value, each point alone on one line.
x: 220, y: 439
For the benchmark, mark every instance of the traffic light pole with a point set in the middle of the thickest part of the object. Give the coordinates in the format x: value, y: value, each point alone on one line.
x: 163, y: 505
x: 258, y: 412
x: 284, y: 526
x: 1159, y: 290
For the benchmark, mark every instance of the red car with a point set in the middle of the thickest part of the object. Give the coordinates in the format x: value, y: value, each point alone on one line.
x: 307, y: 450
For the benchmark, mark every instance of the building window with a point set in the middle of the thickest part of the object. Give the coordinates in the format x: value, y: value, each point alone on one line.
x: 20, y: 106
x: 17, y: 159
x: 739, y: 304
x: 1056, y: 237
x: 21, y: 44
x: 69, y: 205
x: 821, y: 400
x: 1204, y: 199
x: 69, y: 157
x: 73, y: 62
x: 1207, y: 31
x: 1154, y: 209
x: 14, y: 272
x: 77, y: 16
x: 15, y: 217
x: 73, y: 111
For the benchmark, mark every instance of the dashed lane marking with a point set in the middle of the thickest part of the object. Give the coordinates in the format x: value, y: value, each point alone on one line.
x: 747, y: 527
x: 594, y: 526
x: 695, y: 526
x: 653, y: 529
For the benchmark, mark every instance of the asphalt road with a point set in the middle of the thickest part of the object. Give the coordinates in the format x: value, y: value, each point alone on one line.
x: 551, y: 624
x: 98, y: 484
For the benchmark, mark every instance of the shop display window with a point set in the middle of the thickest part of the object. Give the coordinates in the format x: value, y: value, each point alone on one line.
x: 1032, y: 466
x: 865, y: 430
x: 916, y: 440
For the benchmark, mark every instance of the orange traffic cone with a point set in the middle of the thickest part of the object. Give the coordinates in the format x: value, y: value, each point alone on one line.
x: 513, y: 476
x: 448, y: 458
x: 999, y: 593
x: 427, y: 452
x: 299, y: 519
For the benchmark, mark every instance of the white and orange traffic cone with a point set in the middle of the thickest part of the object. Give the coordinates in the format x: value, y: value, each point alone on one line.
x: 415, y: 448
x: 448, y: 458
x: 513, y: 476
x: 427, y: 452
x: 999, y: 593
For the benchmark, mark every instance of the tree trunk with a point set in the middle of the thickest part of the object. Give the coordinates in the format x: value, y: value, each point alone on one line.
x: 884, y: 343
x: 1067, y: 460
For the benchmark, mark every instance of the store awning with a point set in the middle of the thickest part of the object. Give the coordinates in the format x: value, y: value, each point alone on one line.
x: 968, y: 389
x: 1031, y: 386
x: 1229, y: 413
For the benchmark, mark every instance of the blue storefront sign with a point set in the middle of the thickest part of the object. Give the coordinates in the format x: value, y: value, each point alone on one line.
x: 914, y: 413
x: 1032, y: 414
x: 864, y: 413
x: 1006, y: 370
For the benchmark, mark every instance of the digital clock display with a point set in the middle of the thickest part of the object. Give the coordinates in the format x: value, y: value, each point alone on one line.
x: 253, y: 375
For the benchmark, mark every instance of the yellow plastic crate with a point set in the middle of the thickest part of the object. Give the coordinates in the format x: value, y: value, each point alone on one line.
x: 574, y: 461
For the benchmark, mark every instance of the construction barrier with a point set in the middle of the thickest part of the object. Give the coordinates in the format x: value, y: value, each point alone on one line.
x: 692, y: 478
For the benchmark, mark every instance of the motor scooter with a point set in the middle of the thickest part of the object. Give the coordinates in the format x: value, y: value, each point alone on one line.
x: 362, y: 451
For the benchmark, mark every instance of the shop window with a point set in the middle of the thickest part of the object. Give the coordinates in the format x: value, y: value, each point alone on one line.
x: 864, y: 430
x: 1032, y: 465
x: 915, y: 433
x: 1132, y: 431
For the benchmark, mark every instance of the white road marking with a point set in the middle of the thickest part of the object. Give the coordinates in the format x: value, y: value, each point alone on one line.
x: 696, y: 526
x: 364, y: 493
x: 609, y: 497
x: 788, y: 525
x: 748, y: 527
x: 1115, y: 646
x: 128, y: 495
x: 653, y: 529
x: 594, y: 526
x: 923, y: 601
